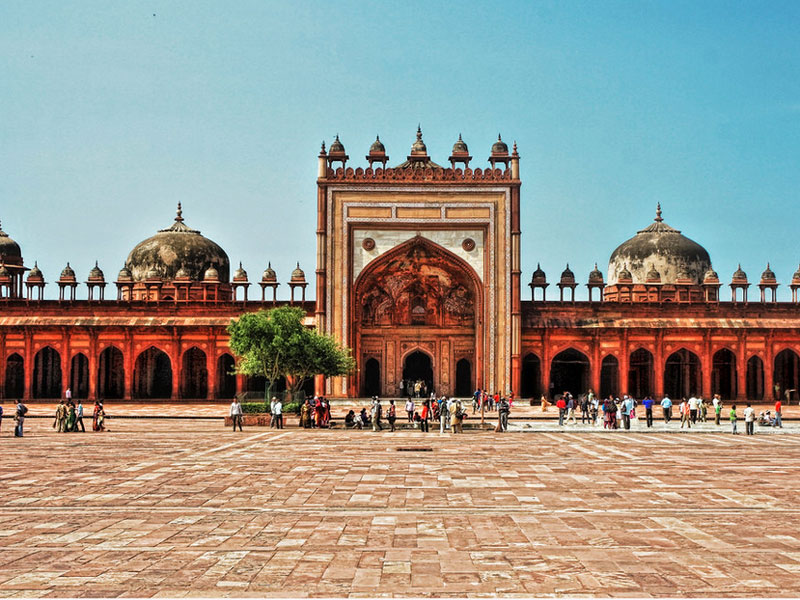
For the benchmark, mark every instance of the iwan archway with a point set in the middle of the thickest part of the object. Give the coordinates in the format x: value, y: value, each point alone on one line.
x: 417, y: 312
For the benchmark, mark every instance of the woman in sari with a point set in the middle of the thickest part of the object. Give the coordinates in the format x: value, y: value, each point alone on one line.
x: 71, y: 418
x: 101, y: 419
x: 304, y: 420
x: 95, y: 414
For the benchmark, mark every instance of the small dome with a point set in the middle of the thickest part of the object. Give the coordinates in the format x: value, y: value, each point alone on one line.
x: 567, y: 276
x: 796, y: 276
x: 499, y: 147
x: 711, y: 276
x: 5, y: 274
x: 768, y: 276
x: 96, y: 272
x: 10, y: 252
x: 211, y: 274
x: 152, y: 273
x: 419, y: 147
x: 653, y: 276
x: 739, y: 275
x: 269, y: 275
x: 35, y: 273
x: 297, y: 274
x: 460, y: 147
x: 124, y: 274
x: 596, y: 275
x: 182, y: 273
x: 539, y: 275
x: 624, y: 275
x: 240, y: 274
x: 377, y: 146
x: 67, y: 273
x: 336, y: 147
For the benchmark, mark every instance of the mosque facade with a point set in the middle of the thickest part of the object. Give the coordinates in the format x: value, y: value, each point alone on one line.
x: 418, y: 272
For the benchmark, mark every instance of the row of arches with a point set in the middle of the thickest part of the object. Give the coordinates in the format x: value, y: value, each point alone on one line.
x: 682, y: 375
x: 152, y: 375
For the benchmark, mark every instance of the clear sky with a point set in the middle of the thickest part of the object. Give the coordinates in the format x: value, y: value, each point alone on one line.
x: 112, y: 112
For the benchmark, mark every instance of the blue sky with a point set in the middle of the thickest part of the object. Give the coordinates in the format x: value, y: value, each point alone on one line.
x: 112, y: 112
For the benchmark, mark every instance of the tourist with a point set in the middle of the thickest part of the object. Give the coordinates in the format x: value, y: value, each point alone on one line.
x: 305, y: 412
x: 561, y: 405
x: 585, y: 404
x: 1, y: 413
x: 609, y: 410
x: 326, y: 413
x: 733, y: 418
x: 503, y: 411
x: 475, y: 401
x: 101, y: 418
x: 68, y: 394
x: 319, y: 413
x: 749, y: 420
x: 391, y: 414
x: 457, y: 416
x: 19, y: 418
x: 272, y: 412
x: 350, y: 419
x: 544, y: 403
x: 778, y: 421
x: 444, y: 414
x: 423, y: 423
x: 666, y: 408
x: 618, y: 413
x: 594, y: 409
x: 79, y: 416
x: 693, y: 404
x: 571, y: 410
x: 235, y: 413
x: 417, y: 388
x: 703, y: 407
x: 717, y: 409
x: 625, y: 410
x: 686, y: 414
x: 410, y: 410
x: 69, y: 424
x: 435, y: 410
x: 278, y: 413
x: 61, y: 417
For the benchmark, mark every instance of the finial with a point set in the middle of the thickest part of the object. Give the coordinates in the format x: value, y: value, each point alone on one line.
x: 240, y: 264
x: 298, y: 264
x: 595, y: 266
x: 767, y: 265
x: 419, y: 131
x: 538, y: 266
x: 567, y: 265
x: 740, y: 266
x: 96, y: 265
x: 179, y: 217
x: 377, y: 138
x: 323, y: 147
x: 36, y: 264
x: 515, y: 147
x: 499, y: 139
x: 658, y: 213
x: 459, y: 138
x: 269, y: 264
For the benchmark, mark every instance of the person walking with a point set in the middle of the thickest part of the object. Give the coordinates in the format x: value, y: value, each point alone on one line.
x: 278, y: 413
x: 693, y: 403
x: 444, y: 415
x: 749, y: 420
x: 457, y: 417
x: 235, y: 414
x: 778, y: 421
x: 79, y: 416
x: 734, y: 419
x: 585, y: 403
x: 686, y: 415
x: 703, y: 409
x: 666, y: 407
x: 61, y: 417
x: 68, y: 394
x: 503, y: 411
x: 594, y: 410
x: 391, y: 415
x: 376, y: 414
x: 716, y: 402
x: 571, y: 410
x: 410, y: 410
x: 19, y: 418
x: 648, y: 410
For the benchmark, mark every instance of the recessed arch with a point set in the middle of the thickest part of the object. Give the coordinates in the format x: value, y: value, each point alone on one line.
x: 682, y: 374
x: 111, y: 374
x: 641, y: 373
x: 531, y: 376
x: 47, y: 373
x: 15, y: 377
x: 79, y: 376
x: 755, y: 378
x: 226, y: 378
x: 724, y: 380
x: 463, y: 378
x: 152, y: 375
x: 569, y: 372
x: 418, y: 366
x: 609, y: 377
x: 194, y: 374
x: 786, y: 374
x: 372, y: 377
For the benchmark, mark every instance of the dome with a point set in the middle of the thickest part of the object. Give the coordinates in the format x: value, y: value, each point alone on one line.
x: 377, y: 146
x: 665, y: 249
x: 460, y: 147
x: 297, y: 274
x: 177, y: 246
x: 768, y: 276
x: 624, y: 275
x: 739, y: 275
x: 711, y: 276
x: 5, y: 274
x: 96, y: 272
x: 796, y: 276
x: 596, y: 276
x: 336, y: 147
x: 35, y: 273
x: 10, y: 252
x: 269, y: 274
x: 567, y: 276
x: 124, y: 274
x: 499, y: 147
x: 67, y: 273
x: 240, y: 274
x: 539, y: 275
x: 182, y: 273
x: 653, y: 275
x: 419, y: 147
x: 211, y: 274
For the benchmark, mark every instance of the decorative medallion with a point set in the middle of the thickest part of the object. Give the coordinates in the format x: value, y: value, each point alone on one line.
x: 468, y: 244
x: 368, y: 244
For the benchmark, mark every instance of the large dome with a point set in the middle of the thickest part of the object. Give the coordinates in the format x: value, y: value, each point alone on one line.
x: 662, y: 248
x: 174, y: 248
x: 10, y: 252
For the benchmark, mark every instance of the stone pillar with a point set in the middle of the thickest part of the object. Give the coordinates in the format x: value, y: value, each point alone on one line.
x: 3, y: 359
x: 177, y: 367
x: 596, y: 366
x: 211, y: 367
x: 706, y: 366
x: 93, y: 360
x: 769, y: 370
x: 66, y: 362
x: 130, y: 362
x: 547, y: 356
x: 624, y: 364
x: 741, y: 369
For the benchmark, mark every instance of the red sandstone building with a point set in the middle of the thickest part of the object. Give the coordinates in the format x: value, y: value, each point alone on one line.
x: 418, y: 271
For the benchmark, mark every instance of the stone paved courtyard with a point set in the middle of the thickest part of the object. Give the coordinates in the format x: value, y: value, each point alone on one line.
x: 177, y: 508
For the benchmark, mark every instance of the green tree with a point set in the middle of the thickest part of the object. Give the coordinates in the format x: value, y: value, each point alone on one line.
x: 275, y: 343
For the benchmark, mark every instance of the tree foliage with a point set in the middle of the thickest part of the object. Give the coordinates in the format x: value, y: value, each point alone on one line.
x: 275, y: 343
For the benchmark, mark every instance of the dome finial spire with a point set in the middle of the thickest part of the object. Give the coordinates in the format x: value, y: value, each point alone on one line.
x: 658, y: 213
x: 419, y: 132
x: 179, y: 216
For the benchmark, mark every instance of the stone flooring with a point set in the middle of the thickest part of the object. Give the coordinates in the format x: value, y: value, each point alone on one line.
x: 187, y: 508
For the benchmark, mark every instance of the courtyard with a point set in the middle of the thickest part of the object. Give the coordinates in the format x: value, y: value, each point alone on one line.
x: 186, y: 508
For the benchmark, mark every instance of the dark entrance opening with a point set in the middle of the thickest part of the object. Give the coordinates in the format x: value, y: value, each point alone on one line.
x: 463, y: 378
x: 226, y: 378
x: 417, y: 367
x: 47, y: 374
x: 723, y: 374
x: 609, y: 377
x: 640, y: 374
x: 786, y: 376
x: 152, y: 377
x: 79, y: 376
x: 372, y: 378
x: 682, y: 375
x: 569, y: 372
x: 755, y: 378
x: 531, y: 377
x: 15, y: 377
x: 194, y: 374
x: 111, y: 374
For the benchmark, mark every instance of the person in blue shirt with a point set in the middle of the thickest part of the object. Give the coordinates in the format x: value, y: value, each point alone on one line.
x: 666, y: 406
x: 626, y: 409
x: 648, y: 410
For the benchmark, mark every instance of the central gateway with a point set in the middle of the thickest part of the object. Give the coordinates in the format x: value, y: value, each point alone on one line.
x: 418, y: 271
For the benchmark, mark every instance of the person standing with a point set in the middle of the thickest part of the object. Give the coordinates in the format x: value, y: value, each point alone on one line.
x: 648, y: 410
x: 561, y: 405
x: 693, y: 409
x: 543, y: 401
x: 376, y: 414
x: 61, y: 417
x: 235, y: 413
x: 19, y: 418
x: 778, y: 422
x: 423, y: 423
x: 503, y: 411
x: 595, y: 410
x: 733, y: 418
x: 749, y: 420
x: 391, y: 414
x: 571, y: 410
x: 278, y: 413
x: 585, y: 402
x: 686, y: 415
x: 666, y: 407
x: 410, y: 410
x: 71, y: 417
x: 68, y: 395
x: 627, y: 407
x: 1, y: 413
x: 444, y: 415
x: 703, y: 409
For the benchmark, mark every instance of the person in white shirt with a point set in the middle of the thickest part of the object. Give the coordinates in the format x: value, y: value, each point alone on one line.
x: 277, y: 412
x: 410, y: 410
x: 236, y: 414
x: 693, y: 402
x: 749, y: 420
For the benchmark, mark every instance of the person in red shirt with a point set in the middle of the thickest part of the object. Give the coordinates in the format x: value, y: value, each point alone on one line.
x: 561, y: 404
x: 423, y: 425
x: 778, y: 422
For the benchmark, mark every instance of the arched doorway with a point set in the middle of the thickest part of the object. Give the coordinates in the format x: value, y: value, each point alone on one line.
x: 755, y: 378
x: 372, y: 378
x: 609, y: 377
x: 194, y: 374
x: 111, y: 374
x: 569, y: 372
x: 418, y: 367
x: 15, y: 377
x: 463, y: 378
x: 786, y: 376
x: 723, y: 374
x: 47, y: 373
x: 152, y: 376
x: 226, y: 378
x: 531, y: 377
x: 79, y: 376
x: 640, y: 374
x: 682, y: 374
